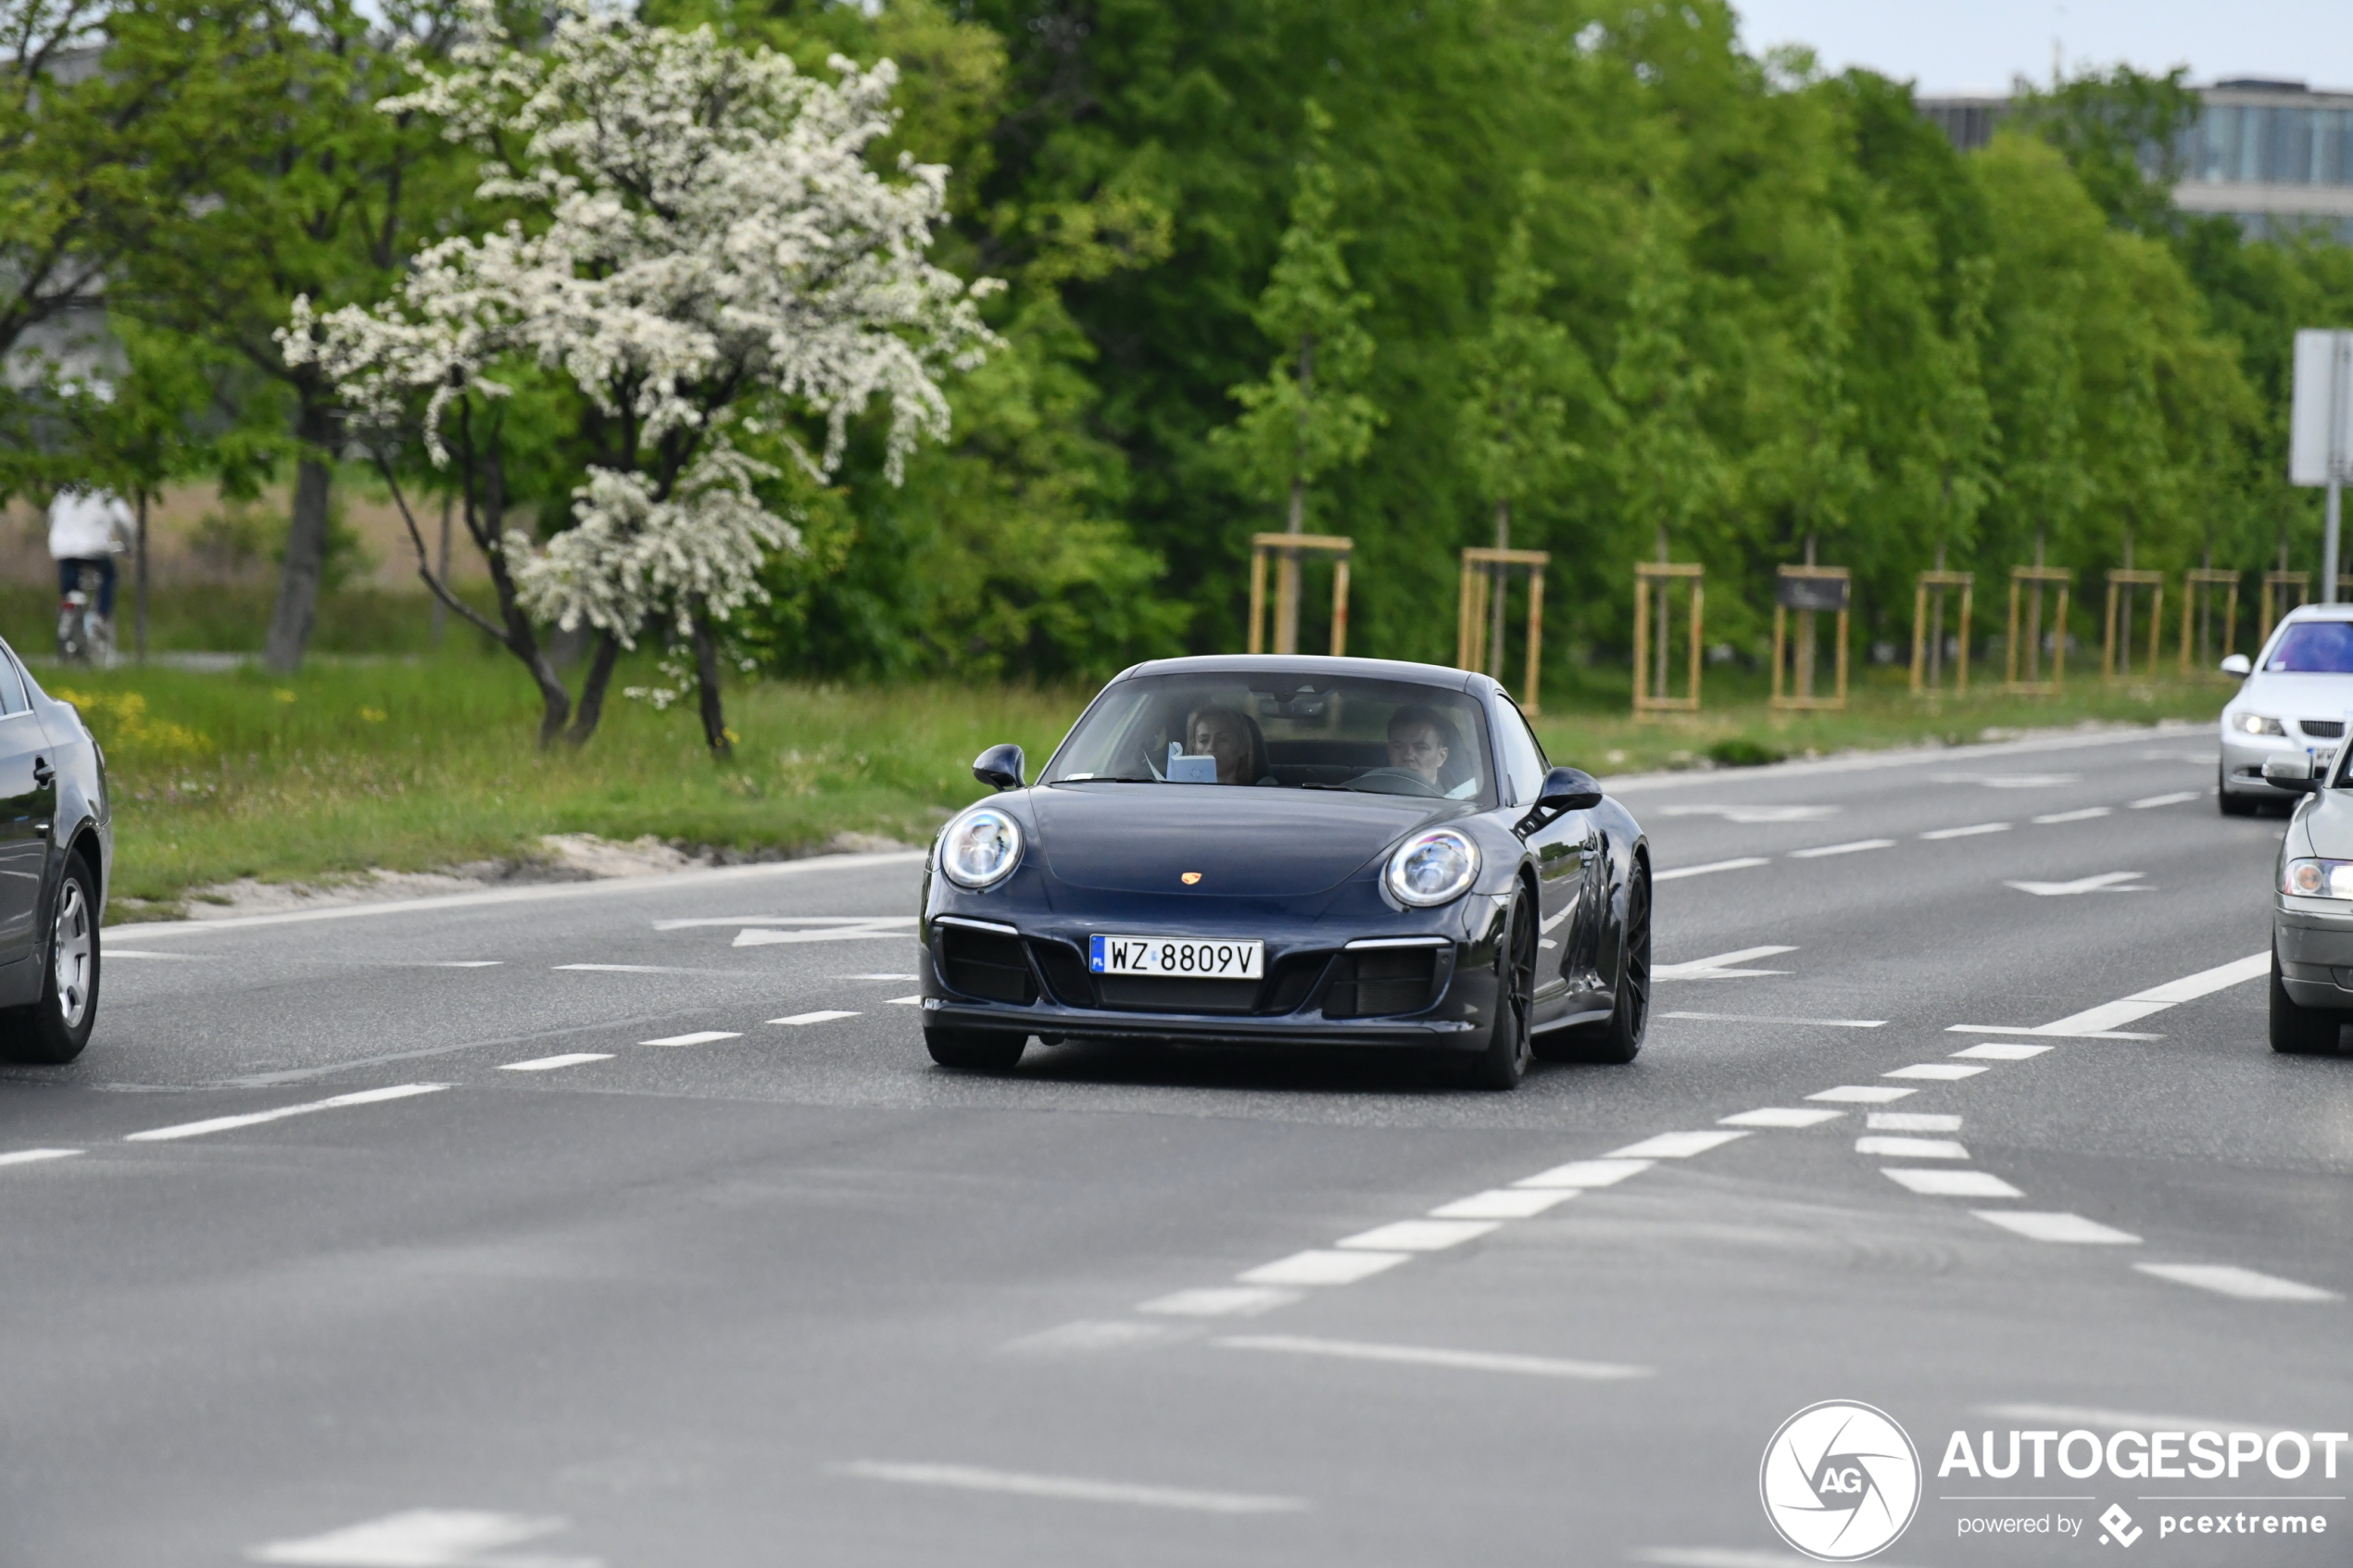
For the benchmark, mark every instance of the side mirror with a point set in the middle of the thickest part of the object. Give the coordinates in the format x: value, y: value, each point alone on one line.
x: 2237, y: 664
x: 2291, y: 773
x: 1568, y: 789
x: 999, y: 767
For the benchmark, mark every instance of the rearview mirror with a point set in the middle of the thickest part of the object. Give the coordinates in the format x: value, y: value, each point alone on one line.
x: 2292, y: 774
x: 999, y: 767
x: 2237, y: 664
x: 1568, y: 789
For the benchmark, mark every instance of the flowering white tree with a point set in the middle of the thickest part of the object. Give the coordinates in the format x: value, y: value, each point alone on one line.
x: 710, y: 260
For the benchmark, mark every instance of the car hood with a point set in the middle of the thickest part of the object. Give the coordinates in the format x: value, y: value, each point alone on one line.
x: 2324, y: 827
x: 2287, y: 694
x: 1247, y: 843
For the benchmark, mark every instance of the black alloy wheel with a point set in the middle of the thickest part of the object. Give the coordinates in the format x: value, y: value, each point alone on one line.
x: 1618, y: 1039
x: 54, y: 1030
x: 976, y: 1051
x: 2233, y: 805
x: 2297, y: 1029
x: 1505, y: 1061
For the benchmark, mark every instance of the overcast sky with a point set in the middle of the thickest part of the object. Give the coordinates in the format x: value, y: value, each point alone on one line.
x: 1957, y: 45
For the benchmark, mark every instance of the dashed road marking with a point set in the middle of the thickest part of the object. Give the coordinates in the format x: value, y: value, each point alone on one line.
x: 627, y: 968
x: 1997, y: 1051
x: 1416, y: 1355
x: 143, y: 953
x: 2106, y: 882
x: 1419, y: 1236
x: 914, y: 1001
x: 1722, y: 966
x: 1780, y: 1116
x: 1322, y: 1266
x: 1221, y: 1301
x: 549, y: 1063
x: 1950, y: 1184
x: 1853, y: 846
x: 1756, y: 1018
x: 699, y: 1038
x: 1741, y: 864
x: 1911, y: 1121
x: 2175, y: 798
x: 2069, y: 1228
x: 826, y: 1016
x: 1942, y: 1071
x: 34, y: 1156
x: 422, y: 1537
x: 1504, y: 1203
x: 2104, y: 1021
x: 256, y: 1118
x: 1674, y: 1146
x: 1069, y: 1488
x: 878, y: 977
x: 1970, y: 832
x: 2245, y: 1284
x: 1584, y: 1173
x: 1899, y: 1148
x: 1861, y: 1094
x: 2084, y: 815
x: 467, y: 963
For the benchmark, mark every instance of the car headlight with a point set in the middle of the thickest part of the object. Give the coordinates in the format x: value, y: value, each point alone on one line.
x: 2257, y: 724
x: 1433, y: 868
x: 2319, y: 879
x: 980, y: 849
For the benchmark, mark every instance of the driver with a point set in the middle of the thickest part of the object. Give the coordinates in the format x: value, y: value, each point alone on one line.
x: 1231, y: 738
x: 1418, y: 743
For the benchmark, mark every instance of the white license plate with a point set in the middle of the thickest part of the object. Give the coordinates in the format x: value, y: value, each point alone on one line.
x: 1177, y: 954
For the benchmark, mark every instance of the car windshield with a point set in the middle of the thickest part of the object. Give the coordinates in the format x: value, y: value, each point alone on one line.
x: 1280, y: 731
x: 2315, y: 647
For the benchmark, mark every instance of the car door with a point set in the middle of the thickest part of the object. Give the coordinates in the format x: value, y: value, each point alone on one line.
x: 1560, y: 847
x: 28, y: 804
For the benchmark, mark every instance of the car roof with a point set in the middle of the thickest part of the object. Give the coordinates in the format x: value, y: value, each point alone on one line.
x: 2321, y: 612
x: 1311, y: 664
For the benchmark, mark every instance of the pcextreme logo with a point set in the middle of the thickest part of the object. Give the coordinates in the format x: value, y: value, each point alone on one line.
x: 1840, y: 1480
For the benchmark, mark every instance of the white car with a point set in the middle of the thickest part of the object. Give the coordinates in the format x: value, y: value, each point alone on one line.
x: 2298, y: 693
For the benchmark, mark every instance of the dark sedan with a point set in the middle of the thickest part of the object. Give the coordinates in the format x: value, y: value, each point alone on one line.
x: 57, y: 847
x: 1279, y: 850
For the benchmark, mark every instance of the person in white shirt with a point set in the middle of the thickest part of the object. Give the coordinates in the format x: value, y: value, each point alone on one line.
x: 89, y: 527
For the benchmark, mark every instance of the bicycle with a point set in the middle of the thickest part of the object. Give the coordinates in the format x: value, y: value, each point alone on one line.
x: 83, y: 636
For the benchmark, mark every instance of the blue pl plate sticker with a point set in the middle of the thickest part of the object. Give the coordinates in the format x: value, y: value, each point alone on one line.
x: 1095, y: 954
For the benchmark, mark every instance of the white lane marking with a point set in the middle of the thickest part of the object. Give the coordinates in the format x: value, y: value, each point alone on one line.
x: 765, y: 936
x: 1673, y: 1146
x: 2013, y: 780
x: 549, y: 1063
x: 1068, y: 1488
x: 2116, y: 1421
x: 1720, y: 966
x: 1749, y: 816
x: 1999, y: 1052
x: 2245, y: 1284
x: 1861, y: 1094
x: 140, y: 953
x: 1502, y: 1203
x: 2176, y: 799
x: 1910, y: 1149
x: 1585, y: 1173
x: 625, y: 969
x: 1942, y: 1071
x: 2084, y: 815
x: 699, y: 1038
x: 914, y: 1001
x: 255, y: 1118
x: 1780, y: 1116
x: 826, y: 1016
x: 1853, y: 846
x: 1950, y: 1184
x: 1759, y: 1018
x: 1741, y: 864
x: 33, y: 1156
x: 2106, y: 882
x: 467, y: 963
x: 1970, y: 832
x: 2102, y: 1022
x: 876, y: 977
x: 2072, y: 1229
x: 1221, y: 1301
x: 808, y: 920
x: 1416, y: 1355
x: 1418, y: 1236
x: 1320, y: 1266
x: 1911, y: 1121
x: 422, y: 1537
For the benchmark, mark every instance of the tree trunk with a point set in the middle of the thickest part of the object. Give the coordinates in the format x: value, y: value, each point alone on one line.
x: 297, y: 610
x: 592, y: 690
x: 714, y: 723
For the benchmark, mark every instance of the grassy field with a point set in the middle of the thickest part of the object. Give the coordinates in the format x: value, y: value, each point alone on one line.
x: 415, y: 765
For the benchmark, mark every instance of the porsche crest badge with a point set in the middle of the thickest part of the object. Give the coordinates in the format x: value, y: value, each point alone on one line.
x: 1189, y: 878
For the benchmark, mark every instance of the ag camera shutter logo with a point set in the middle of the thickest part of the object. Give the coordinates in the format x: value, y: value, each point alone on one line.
x: 1840, y: 1480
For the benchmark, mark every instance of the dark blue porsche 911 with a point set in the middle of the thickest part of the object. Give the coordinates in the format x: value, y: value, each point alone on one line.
x: 1275, y: 850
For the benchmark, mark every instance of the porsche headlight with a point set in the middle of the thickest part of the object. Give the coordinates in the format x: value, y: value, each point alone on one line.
x: 1433, y: 868
x: 980, y: 849
x: 2319, y: 879
x: 2257, y: 724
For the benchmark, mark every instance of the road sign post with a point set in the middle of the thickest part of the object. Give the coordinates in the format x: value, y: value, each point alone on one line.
x: 2321, y: 433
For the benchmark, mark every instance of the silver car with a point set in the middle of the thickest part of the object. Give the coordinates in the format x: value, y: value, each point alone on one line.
x: 2295, y: 702
x: 2313, y: 912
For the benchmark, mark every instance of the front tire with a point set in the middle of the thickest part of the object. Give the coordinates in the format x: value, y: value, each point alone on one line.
x: 52, y: 1031
x: 1618, y: 1040
x: 2297, y: 1029
x: 1505, y: 1061
x: 976, y: 1051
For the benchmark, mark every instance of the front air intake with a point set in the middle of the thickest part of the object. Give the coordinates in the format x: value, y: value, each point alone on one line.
x: 1382, y: 981
x: 984, y: 964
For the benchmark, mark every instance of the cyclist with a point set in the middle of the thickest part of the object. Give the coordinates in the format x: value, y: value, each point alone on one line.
x: 88, y: 527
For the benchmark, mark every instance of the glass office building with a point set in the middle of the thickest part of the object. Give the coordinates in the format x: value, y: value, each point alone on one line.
x: 2276, y: 156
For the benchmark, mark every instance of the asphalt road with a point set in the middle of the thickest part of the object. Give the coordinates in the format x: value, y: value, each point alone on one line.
x: 675, y: 1249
